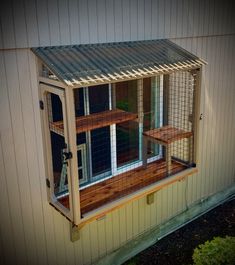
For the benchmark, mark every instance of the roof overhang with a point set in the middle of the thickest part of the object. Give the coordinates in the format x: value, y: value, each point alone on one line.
x: 89, y: 64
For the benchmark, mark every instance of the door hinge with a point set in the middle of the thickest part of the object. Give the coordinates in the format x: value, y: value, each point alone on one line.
x: 41, y: 104
x: 48, y: 183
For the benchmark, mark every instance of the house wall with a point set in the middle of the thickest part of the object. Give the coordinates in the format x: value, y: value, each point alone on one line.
x: 31, y: 231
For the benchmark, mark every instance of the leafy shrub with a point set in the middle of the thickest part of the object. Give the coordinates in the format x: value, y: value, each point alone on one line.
x: 219, y: 251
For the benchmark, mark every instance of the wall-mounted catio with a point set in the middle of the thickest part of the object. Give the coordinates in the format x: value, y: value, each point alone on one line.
x: 120, y: 121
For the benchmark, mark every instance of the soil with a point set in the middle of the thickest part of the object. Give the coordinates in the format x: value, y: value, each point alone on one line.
x: 177, y: 248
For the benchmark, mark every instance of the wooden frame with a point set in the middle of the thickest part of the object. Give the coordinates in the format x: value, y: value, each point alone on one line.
x: 66, y: 94
x: 44, y: 90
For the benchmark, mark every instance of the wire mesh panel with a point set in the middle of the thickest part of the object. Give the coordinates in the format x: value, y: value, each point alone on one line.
x: 180, y: 113
x: 57, y: 148
x: 132, y: 134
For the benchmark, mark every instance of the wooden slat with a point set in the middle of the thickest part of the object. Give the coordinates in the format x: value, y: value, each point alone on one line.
x: 167, y: 134
x: 107, y: 191
x: 95, y: 121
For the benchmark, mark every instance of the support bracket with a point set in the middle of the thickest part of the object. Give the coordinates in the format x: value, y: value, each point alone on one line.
x: 150, y: 198
x: 74, y: 232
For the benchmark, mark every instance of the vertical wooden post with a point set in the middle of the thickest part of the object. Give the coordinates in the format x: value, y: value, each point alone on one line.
x: 196, y: 114
x: 72, y: 146
x: 140, y: 114
x: 144, y: 151
x: 168, y: 158
x: 166, y: 109
x: 166, y: 100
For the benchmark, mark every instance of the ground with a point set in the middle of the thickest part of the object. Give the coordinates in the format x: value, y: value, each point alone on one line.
x: 177, y: 248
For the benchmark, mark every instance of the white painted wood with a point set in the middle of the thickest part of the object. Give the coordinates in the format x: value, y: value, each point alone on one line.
x: 118, y: 20
x: 61, y: 257
x: 48, y: 236
x: 43, y: 23
x: 122, y: 221
x: 115, y: 229
x: 154, y: 20
x: 140, y: 21
x: 126, y: 20
x: 109, y: 8
x: 135, y: 221
x: 7, y: 26
x: 102, y: 242
x: 64, y: 26
x: 167, y: 19
x: 94, y: 241
x: 13, y: 146
x: 54, y: 24
x: 83, y: 21
x: 92, y: 21
x: 86, y: 244
x: 18, y: 14
x: 74, y: 21
x: 34, y: 215
x: 6, y: 226
x: 101, y: 21
x: 31, y: 23
x: 109, y: 232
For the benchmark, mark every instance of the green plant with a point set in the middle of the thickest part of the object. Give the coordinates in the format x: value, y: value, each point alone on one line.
x: 219, y: 251
x: 122, y: 104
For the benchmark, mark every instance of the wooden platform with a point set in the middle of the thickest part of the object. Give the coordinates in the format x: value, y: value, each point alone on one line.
x: 95, y: 121
x: 167, y: 134
x: 109, y: 190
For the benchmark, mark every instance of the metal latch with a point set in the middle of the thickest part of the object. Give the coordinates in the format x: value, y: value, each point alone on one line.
x: 66, y: 156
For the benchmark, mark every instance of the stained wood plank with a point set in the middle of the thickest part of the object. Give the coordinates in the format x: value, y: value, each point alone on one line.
x: 95, y: 121
x: 167, y: 134
x: 104, y: 192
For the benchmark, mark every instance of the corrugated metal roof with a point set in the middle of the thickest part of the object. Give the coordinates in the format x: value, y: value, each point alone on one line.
x: 88, y: 64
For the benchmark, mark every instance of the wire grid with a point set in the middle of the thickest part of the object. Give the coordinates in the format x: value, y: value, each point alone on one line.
x: 181, y: 96
x: 114, y: 146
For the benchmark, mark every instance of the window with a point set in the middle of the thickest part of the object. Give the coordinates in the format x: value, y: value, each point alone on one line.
x: 112, y: 138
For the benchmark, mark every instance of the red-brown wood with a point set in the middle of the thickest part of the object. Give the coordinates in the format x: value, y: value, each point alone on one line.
x: 96, y: 120
x: 167, y: 134
x: 119, y: 186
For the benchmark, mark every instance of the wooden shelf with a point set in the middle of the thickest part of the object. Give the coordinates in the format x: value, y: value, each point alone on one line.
x: 119, y: 186
x: 167, y: 134
x: 95, y: 121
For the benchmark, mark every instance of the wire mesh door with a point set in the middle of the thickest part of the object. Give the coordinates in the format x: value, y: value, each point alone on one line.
x: 56, y: 148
